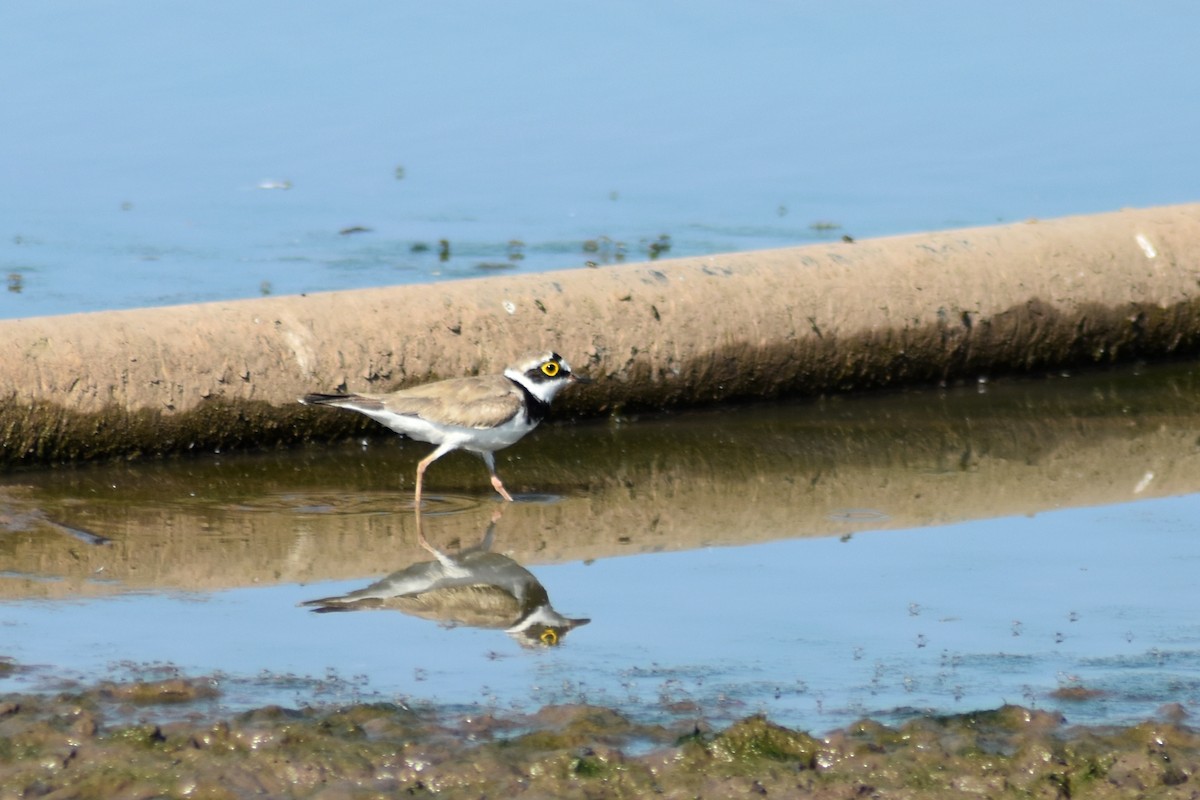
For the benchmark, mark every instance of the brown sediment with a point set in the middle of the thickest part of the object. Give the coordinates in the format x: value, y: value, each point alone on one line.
x: 807, y: 320
x: 76, y: 746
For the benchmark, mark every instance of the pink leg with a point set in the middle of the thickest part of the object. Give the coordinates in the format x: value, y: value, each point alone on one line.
x: 425, y: 462
x: 490, y: 460
x: 421, y: 540
x: 500, y: 488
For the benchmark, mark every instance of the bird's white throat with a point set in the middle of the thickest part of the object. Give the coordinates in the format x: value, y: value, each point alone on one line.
x: 543, y: 390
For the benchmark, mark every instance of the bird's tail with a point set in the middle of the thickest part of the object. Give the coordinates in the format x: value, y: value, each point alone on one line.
x: 319, y: 399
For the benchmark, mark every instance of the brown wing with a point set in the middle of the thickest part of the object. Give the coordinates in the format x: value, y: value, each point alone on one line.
x: 470, y: 402
x: 477, y: 605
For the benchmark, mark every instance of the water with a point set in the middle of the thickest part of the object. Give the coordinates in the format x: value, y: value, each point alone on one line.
x: 816, y: 561
x: 924, y: 552
x: 141, y: 143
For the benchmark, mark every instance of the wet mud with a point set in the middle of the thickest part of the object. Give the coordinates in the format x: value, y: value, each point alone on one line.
x: 107, y: 741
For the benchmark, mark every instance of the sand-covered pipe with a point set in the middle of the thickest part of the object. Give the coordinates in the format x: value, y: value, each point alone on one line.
x: 819, y: 318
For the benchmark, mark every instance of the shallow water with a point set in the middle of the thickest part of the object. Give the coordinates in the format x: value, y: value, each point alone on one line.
x: 1032, y: 542
x: 178, y: 154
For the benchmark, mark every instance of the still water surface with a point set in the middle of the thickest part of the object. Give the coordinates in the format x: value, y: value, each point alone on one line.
x: 159, y: 154
x: 1034, y: 543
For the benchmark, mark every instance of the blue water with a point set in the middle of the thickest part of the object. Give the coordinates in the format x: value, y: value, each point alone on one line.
x: 814, y: 632
x: 136, y: 139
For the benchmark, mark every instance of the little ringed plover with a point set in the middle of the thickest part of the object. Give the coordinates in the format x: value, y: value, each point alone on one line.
x: 474, y: 587
x: 482, y: 414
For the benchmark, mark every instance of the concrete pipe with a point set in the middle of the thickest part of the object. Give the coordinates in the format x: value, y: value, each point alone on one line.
x: 922, y: 308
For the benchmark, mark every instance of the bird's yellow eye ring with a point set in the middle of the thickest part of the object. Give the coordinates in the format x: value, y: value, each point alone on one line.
x: 549, y: 637
x: 550, y: 369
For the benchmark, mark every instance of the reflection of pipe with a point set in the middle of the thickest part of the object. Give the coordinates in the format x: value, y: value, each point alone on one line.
x: 733, y: 476
x: 722, y: 477
x: 809, y: 319
x: 19, y: 517
x: 475, y: 587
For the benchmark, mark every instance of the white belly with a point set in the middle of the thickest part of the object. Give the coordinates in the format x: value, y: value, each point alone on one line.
x: 478, y: 440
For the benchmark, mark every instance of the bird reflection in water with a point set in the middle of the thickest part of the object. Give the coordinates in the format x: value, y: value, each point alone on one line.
x: 473, y: 587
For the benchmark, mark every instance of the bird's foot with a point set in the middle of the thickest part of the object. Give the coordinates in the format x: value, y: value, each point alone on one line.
x: 499, y: 487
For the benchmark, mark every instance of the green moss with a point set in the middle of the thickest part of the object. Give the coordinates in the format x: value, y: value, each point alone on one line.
x: 589, y: 766
x: 170, y: 691
x: 145, y: 736
x: 755, y: 739
x: 324, y: 753
x: 875, y: 734
x: 47, y: 433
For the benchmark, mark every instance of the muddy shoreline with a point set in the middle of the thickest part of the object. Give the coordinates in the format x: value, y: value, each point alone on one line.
x: 109, y: 741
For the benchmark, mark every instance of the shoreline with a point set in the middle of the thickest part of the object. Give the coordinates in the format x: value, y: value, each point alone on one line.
x: 104, y: 741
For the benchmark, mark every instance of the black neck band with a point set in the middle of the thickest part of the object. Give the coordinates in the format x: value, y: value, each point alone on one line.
x: 536, y: 408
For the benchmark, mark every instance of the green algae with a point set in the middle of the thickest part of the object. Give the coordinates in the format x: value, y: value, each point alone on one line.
x: 48, y: 433
x: 749, y: 742
x: 82, y: 746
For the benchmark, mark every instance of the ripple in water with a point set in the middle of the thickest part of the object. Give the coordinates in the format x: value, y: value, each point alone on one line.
x: 354, y: 504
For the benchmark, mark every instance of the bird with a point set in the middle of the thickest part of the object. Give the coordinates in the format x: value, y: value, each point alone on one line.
x: 474, y: 587
x: 481, y: 414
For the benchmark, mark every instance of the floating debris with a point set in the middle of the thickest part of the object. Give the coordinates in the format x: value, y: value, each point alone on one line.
x: 354, y: 229
x: 608, y: 249
x: 659, y: 246
x: 271, y: 184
